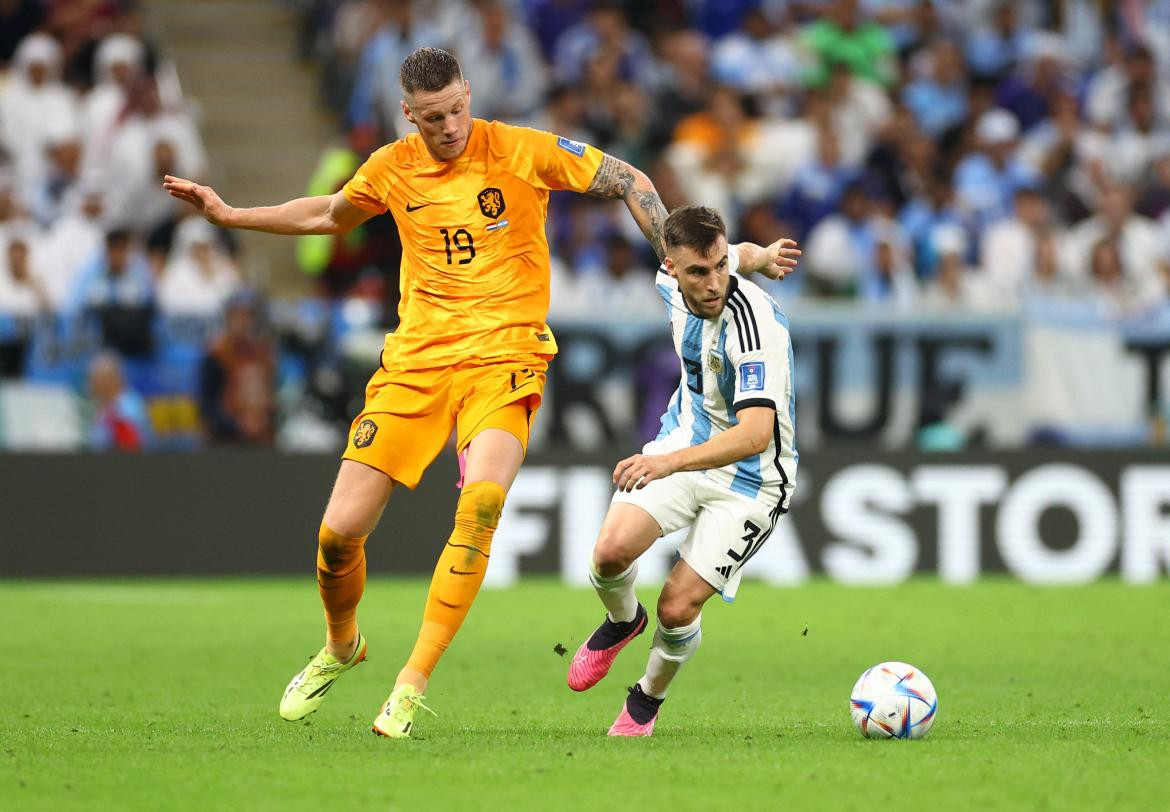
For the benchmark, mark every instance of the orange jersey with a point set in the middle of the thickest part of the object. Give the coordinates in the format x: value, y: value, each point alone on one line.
x: 475, y: 262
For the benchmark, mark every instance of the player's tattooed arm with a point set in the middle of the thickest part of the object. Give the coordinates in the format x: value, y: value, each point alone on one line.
x: 617, y: 179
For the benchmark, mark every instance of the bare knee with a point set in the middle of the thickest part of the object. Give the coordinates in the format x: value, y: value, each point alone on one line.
x: 676, y: 611
x: 610, y: 555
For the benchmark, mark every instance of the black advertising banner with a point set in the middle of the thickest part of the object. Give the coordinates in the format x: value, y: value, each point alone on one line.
x: 858, y: 516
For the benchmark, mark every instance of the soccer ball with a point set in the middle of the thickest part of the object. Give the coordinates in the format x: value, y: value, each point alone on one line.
x: 893, y: 701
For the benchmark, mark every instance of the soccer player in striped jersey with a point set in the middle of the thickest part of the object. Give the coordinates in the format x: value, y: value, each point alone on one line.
x: 723, y: 464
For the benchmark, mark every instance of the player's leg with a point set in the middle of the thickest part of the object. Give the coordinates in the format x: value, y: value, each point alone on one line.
x: 729, y: 529
x: 676, y: 640
x: 493, y: 427
x: 402, y: 430
x: 634, y: 522
x: 359, y: 496
x: 494, y: 457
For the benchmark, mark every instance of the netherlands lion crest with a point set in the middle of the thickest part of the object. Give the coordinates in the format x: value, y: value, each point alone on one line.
x: 364, y: 434
x: 491, y: 202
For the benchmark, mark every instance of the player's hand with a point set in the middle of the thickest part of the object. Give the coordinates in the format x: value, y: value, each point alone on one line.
x: 636, y: 472
x: 780, y: 259
x: 203, y: 198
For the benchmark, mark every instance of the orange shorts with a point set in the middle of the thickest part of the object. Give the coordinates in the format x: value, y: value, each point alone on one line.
x: 409, y: 414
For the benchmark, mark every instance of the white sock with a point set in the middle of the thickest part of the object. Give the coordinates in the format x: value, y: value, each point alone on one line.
x: 670, y: 651
x: 617, y: 593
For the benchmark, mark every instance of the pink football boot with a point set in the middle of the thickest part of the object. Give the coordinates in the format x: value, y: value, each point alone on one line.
x: 596, y: 655
x: 638, y: 715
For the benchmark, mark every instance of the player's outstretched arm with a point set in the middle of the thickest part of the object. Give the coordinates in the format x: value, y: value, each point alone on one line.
x: 616, y: 178
x: 324, y: 214
x: 750, y: 436
x: 774, y: 261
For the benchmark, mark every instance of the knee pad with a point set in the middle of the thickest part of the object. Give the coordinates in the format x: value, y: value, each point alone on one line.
x: 337, y: 554
x: 477, y: 515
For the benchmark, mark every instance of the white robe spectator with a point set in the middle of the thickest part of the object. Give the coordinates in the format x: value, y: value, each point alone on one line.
x: 33, y: 104
x: 74, y: 240
x: 147, y: 143
x: 199, y: 277
x: 119, y: 59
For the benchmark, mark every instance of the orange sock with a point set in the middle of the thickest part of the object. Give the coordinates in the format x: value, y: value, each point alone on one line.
x: 341, y: 579
x: 459, y: 573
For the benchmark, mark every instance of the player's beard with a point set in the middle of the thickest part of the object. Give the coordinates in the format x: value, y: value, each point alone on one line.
x: 705, y: 310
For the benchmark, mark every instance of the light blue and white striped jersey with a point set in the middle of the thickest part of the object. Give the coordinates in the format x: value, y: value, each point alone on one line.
x: 741, y: 358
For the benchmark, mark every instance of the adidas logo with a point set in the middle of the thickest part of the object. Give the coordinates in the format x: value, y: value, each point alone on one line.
x: 725, y: 571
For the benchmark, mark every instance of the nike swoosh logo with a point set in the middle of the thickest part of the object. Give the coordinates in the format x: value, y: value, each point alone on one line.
x: 410, y: 208
x: 461, y: 572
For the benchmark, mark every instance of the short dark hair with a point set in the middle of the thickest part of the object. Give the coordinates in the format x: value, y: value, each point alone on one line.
x: 429, y: 69
x: 695, y: 227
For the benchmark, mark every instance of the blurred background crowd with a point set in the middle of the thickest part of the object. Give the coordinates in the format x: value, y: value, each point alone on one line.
x: 949, y: 157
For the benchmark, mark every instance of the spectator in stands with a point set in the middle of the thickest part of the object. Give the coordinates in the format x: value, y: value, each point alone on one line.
x: 1115, y: 288
x: 47, y: 197
x: 987, y: 180
x: 818, y: 184
x: 1031, y: 92
x: 938, y: 95
x: 994, y: 49
x: 199, y: 276
x: 33, y: 104
x: 860, y: 112
x: 374, y: 104
x: 1010, y: 247
x: 115, y: 289
x: 840, y: 250
x: 1136, y: 242
x: 1138, y: 142
x: 148, y: 142
x: 1108, y: 93
x: 890, y: 277
x: 621, y: 286
x: 120, y: 420
x: 722, y: 155
x: 237, y: 379
x: 841, y: 36
x: 74, y: 238
x: 23, y: 300
x: 760, y: 59
x: 954, y: 285
x: 503, y: 60
x: 12, y: 216
x: 604, y: 32
x: 119, y: 60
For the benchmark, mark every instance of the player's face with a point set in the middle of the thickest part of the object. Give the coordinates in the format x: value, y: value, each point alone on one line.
x: 443, y: 118
x: 702, y: 278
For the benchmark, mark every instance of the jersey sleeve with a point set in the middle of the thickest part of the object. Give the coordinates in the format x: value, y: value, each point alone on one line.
x: 666, y: 285
x: 758, y: 350
x: 546, y: 160
x: 732, y: 258
x: 369, y: 188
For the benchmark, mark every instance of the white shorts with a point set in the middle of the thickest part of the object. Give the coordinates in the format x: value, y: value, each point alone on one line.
x: 727, y: 528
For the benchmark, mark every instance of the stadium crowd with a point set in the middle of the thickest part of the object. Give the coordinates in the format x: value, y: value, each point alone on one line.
x: 929, y: 154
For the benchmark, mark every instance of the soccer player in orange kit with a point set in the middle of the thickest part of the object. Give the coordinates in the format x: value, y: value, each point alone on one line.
x: 470, y: 198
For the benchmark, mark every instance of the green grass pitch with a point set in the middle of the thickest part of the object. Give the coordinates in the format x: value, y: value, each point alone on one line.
x: 162, y: 695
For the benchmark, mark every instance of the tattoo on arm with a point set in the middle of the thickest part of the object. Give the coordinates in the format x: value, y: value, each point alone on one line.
x: 613, y: 179
x: 650, y: 203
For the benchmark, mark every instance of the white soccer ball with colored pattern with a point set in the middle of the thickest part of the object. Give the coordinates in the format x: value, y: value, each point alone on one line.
x: 893, y: 701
